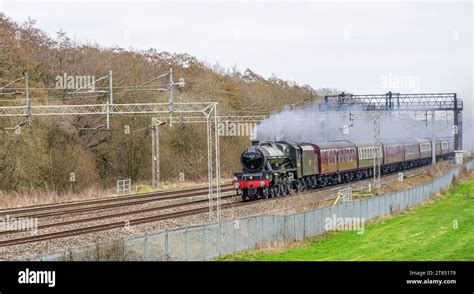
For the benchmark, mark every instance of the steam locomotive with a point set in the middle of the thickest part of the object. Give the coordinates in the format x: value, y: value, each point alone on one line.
x: 271, y: 169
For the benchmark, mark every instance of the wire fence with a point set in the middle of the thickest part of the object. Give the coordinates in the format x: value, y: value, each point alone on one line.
x: 210, y: 241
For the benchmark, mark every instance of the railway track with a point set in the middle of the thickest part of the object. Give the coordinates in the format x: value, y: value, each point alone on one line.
x: 113, y: 225
x: 141, y: 220
x: 115, y: 202
x: 121, y: 214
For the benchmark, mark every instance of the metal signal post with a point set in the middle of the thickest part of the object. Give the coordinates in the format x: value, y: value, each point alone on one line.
x: 155, y: 139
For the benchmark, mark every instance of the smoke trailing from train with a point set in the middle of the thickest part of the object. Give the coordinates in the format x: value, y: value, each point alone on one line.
x: 311, y: 125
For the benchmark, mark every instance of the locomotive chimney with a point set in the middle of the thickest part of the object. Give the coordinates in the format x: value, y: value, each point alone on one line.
x: 255, y: 142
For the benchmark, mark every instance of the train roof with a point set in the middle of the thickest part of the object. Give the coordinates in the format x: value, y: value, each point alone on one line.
x: 410, y: 141
x: 295, y: 145
x: 423, y: 140
x: 364, y: 144
x: 391, y: 142
x: 333, y: 144
x: 307, y: 147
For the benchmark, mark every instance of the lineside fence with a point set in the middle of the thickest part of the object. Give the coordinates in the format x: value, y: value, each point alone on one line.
x: 210, y: 241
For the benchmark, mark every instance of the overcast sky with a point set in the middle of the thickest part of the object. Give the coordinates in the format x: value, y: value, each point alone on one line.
x: 362, y: 47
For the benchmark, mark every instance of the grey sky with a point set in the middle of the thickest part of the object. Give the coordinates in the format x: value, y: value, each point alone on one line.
x: 362, y: 47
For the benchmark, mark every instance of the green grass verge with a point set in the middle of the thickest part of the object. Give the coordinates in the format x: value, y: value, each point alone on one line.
x: 442, y: 230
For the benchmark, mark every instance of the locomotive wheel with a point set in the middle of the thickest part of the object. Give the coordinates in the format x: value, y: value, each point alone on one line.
x: 261, y: 194
x: 299, y: 186
x: 302, y: 185
x: 325, y: 182
x: 244, y: 195
x: 344, y: 178
x: 265, y: 193
x: 277, y: 190
x: 319, y: 182
x: 252, y: 194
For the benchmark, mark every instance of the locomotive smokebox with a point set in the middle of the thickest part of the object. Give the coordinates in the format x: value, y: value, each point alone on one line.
x: 253, y: 159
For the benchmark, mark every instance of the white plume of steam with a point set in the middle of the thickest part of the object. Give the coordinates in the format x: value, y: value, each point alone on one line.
x: 311, y: 125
